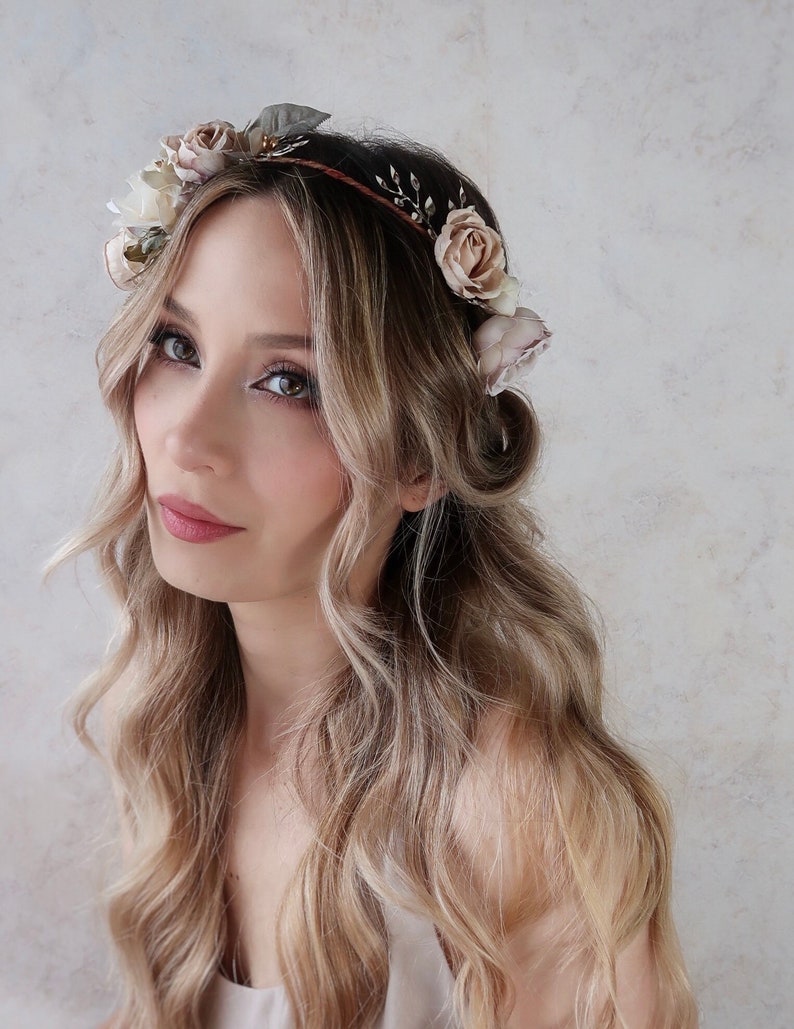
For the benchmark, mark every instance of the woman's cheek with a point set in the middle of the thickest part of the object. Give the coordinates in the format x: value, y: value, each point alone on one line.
x: 145, y: 413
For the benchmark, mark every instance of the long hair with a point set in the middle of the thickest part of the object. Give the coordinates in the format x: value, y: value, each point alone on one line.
x: 472, y: 624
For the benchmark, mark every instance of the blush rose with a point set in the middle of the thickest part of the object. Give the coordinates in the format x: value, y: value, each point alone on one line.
x: 505, y: 344
x: 199, y: 154
x: 472, y: 259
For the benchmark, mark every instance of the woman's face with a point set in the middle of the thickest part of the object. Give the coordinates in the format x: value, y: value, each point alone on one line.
x: 243, y: 489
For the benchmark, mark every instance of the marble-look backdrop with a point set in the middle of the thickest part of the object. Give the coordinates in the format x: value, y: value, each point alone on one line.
x: 640, y: 157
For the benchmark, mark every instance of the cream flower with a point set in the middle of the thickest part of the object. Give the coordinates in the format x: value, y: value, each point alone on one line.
x: 472, y: 259
x: 505, y: 343
x: 121, y: 270
x: 199, y: 154
x: 155, y: 199
x: 160, y: 192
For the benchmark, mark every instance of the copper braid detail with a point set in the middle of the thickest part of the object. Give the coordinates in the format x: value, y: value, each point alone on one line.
x: 334, y: 173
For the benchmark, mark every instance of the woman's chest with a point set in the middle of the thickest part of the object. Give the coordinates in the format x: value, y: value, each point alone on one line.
x: 268, y: 835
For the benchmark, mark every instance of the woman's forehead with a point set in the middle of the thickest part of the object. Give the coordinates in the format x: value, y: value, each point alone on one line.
x: 241, y: 260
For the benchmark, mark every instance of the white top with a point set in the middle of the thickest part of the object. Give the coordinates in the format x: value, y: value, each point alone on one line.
x: 419, y: 994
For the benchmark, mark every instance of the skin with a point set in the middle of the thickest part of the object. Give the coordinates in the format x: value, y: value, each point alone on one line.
x: 219, y: 428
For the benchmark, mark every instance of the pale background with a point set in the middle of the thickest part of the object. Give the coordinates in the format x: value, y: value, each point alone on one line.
x: 640, y: 158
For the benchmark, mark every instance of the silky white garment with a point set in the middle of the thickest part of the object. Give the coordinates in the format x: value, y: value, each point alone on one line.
x: 419, y: 994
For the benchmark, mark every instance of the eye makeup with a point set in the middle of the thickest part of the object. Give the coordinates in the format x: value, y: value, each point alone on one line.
x: 174, y: 347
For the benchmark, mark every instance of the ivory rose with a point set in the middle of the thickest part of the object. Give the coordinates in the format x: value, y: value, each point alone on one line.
x: 199, y: 154
x: 161, y: 191
x: 505, y: 343
x: 472, y: 258
x: 155, y: 198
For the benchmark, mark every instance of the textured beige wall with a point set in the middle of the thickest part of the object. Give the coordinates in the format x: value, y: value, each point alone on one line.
x: 640, y: 157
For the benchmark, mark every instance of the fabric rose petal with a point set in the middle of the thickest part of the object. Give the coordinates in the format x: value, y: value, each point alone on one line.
x: 472, y: 259
x: 505, y: 344
x: 120, y: 269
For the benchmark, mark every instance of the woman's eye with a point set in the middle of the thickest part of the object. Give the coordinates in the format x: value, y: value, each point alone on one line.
x: 177, y: 348
x: 286, y: 384
x: 173, y: 347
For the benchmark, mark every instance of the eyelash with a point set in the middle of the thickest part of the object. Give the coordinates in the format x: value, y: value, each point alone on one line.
x: 282, y: 368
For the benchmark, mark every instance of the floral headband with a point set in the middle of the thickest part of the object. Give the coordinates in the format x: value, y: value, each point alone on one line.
x: 469, y: 253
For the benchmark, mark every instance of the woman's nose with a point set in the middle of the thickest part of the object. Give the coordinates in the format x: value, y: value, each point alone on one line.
x: 201, y: 434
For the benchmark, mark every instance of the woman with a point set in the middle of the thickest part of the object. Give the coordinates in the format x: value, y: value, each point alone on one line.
x: 354, y: 716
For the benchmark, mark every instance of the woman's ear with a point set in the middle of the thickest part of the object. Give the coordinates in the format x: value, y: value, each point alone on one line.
x: 419, y: 492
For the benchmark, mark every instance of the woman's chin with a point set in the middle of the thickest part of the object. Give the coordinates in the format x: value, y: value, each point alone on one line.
x: 223, y: 588
x: 218, y: 592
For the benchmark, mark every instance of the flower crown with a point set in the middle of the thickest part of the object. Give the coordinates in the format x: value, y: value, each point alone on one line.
x: 469, y: 253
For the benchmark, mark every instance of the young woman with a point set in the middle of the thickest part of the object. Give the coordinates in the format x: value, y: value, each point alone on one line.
x: 354, y: 716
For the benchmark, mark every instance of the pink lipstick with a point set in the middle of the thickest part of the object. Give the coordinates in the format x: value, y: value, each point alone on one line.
x: 190, y: 522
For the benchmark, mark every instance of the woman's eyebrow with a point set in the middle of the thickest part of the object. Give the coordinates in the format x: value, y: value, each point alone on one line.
x: 272, y: 340
x: 181, y: 312
x: 285, y: 340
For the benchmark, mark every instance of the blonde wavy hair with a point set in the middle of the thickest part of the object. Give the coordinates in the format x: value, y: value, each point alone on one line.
x: 472, y: 623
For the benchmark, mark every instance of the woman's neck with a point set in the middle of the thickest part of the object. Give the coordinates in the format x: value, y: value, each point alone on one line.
x: 288, y: 655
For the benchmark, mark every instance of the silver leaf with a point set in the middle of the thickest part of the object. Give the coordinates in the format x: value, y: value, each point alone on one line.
x: 280, y: 119
x: 394, y: 176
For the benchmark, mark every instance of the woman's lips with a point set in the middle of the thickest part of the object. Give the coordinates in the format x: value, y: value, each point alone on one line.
x: 191, y: 523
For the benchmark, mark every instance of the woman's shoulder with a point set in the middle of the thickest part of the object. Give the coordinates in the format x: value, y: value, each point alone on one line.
x: 508, y: 826
x: 525, y: 795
